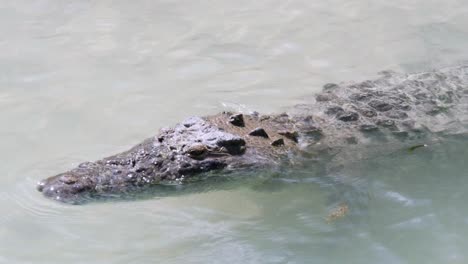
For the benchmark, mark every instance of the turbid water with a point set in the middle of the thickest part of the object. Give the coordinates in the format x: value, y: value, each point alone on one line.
x: 80, y: 80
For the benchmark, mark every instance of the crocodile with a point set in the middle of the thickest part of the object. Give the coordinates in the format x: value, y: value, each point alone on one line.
x: 344, y: 122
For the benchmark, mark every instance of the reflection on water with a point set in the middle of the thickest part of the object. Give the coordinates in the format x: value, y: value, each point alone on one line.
x: 80, y: 80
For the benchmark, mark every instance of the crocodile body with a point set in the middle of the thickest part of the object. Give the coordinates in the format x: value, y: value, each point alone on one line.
x: 342, y: 122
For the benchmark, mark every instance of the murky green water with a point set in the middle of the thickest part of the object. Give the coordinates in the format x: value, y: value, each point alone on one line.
x: 80, y: 80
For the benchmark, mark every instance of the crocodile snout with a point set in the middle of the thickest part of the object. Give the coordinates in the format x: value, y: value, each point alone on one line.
x: 65, y: 187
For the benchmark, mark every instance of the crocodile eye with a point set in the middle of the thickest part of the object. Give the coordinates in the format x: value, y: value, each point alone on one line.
x: 197, y: 151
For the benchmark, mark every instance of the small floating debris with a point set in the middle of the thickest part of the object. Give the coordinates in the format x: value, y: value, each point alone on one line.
x: 415, y: 147
x: 337, y: 213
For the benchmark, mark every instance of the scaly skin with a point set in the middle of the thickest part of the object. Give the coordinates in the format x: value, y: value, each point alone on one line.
x: 343, y: 122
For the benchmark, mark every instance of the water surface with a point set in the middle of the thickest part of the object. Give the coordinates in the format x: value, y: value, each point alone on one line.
x: 80, y: 80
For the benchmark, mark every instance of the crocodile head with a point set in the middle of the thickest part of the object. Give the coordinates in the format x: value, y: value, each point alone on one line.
x: 175, y: 155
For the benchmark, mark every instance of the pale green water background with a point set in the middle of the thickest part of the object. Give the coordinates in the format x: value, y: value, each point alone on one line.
x: 80, y: 80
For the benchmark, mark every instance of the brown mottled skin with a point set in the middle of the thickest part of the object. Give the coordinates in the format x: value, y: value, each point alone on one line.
x: 344, y: 123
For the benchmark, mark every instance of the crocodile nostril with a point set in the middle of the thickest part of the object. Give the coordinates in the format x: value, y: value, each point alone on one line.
x: 68, y: 179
